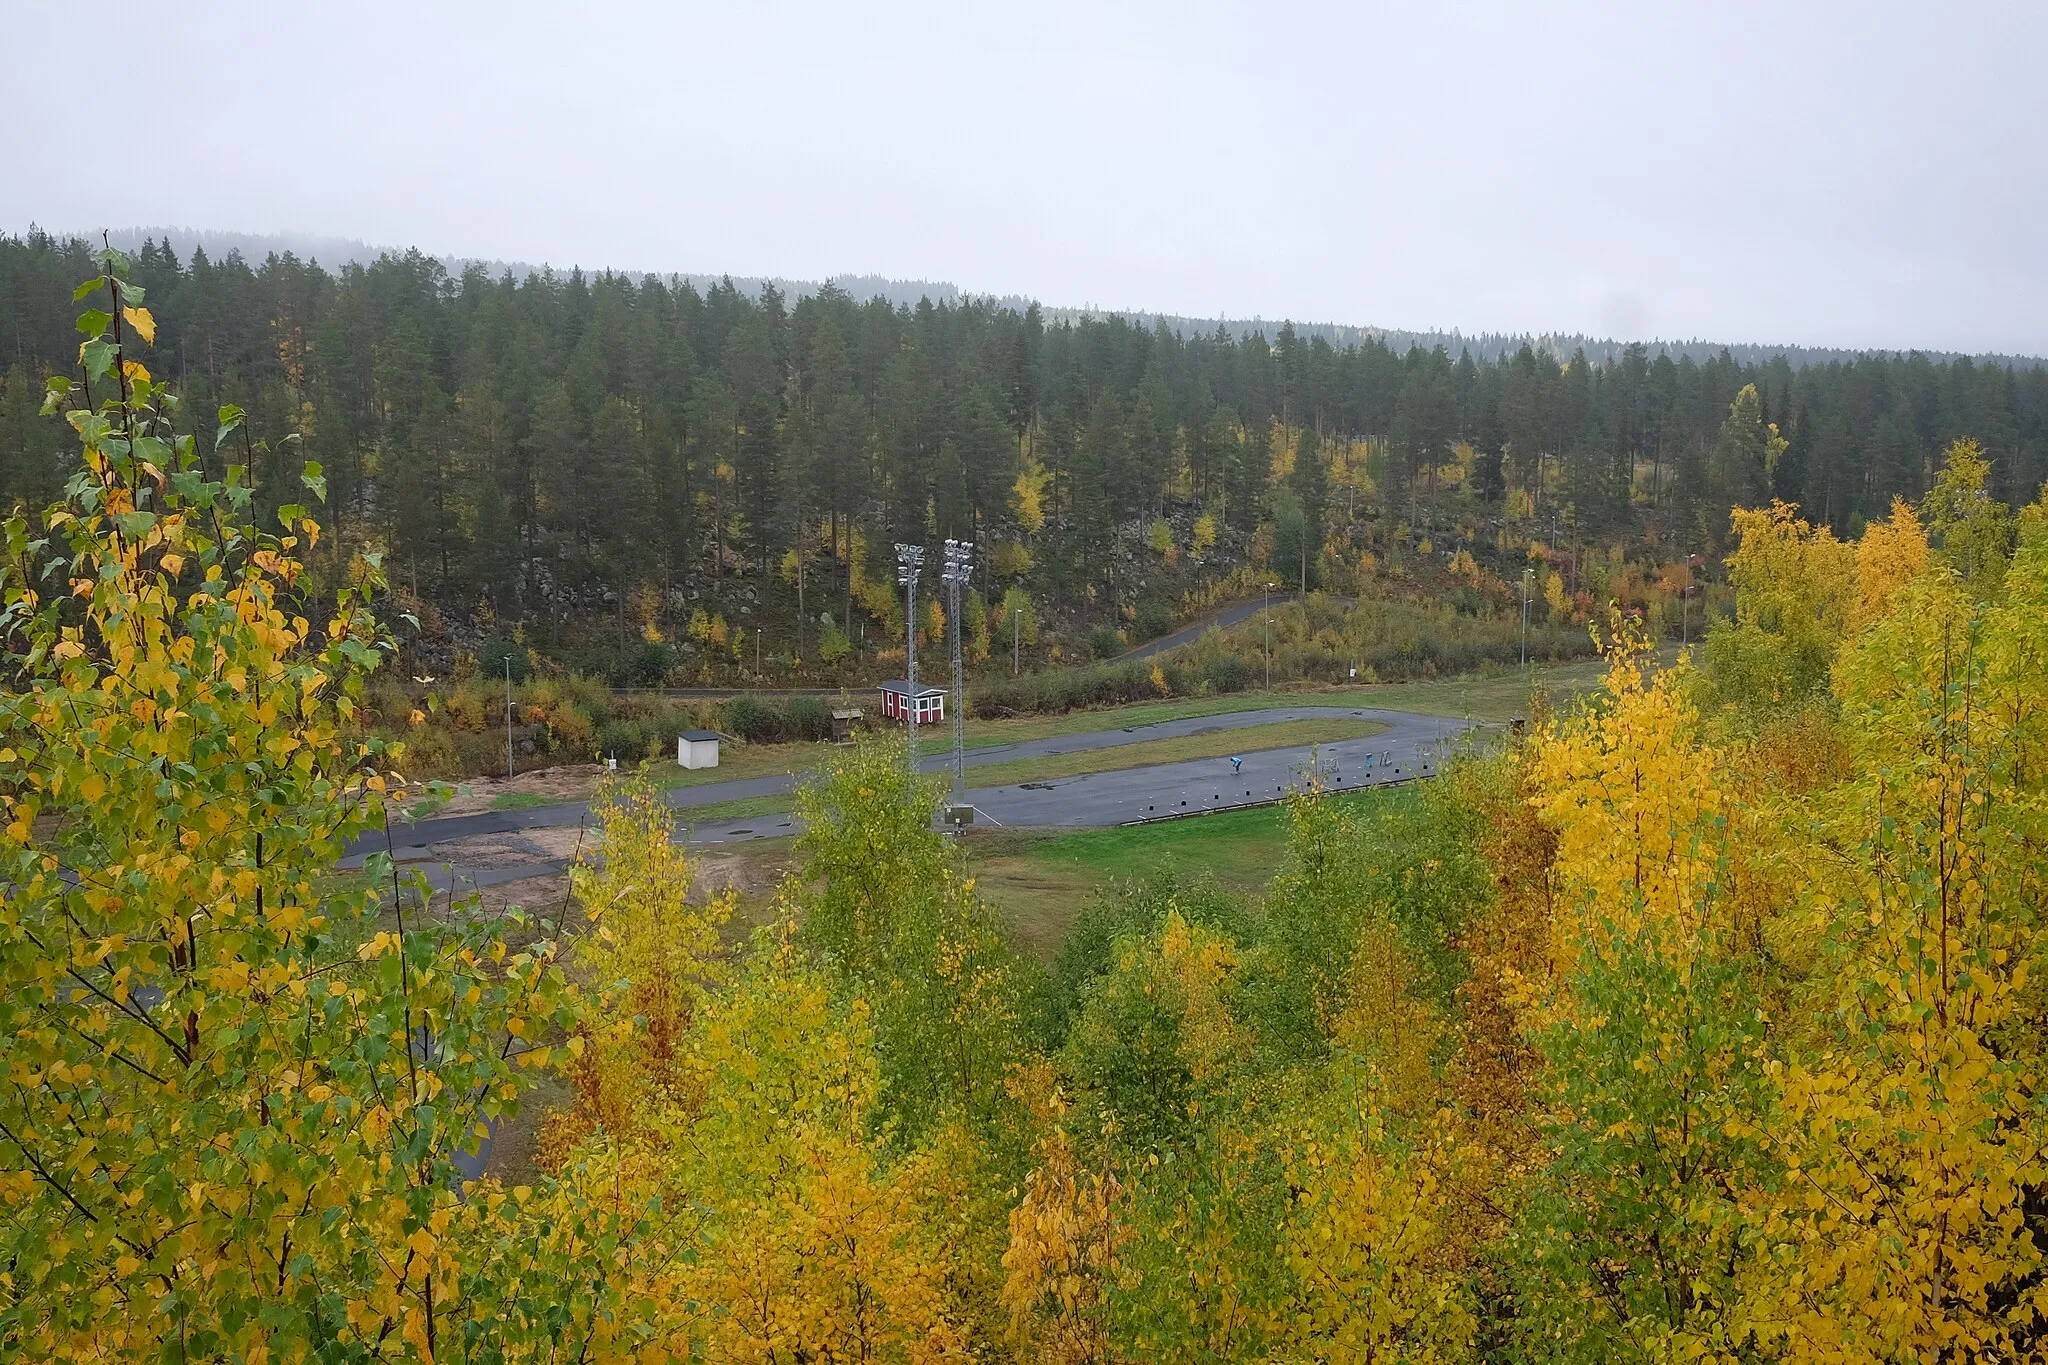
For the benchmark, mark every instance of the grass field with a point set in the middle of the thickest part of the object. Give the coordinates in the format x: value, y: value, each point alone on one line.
x: 1279, y: 735
x: 746, y: 808
x: 1500, y: 696
x: 522, y: 801
x: 1494, y: 697
x: 737, y: 760
x: 1041, y: 880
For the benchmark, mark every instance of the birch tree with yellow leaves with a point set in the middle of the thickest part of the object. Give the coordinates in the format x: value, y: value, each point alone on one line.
x: 235, y: 1091
x: 1911, y: 1222
x: 1652, y: 1033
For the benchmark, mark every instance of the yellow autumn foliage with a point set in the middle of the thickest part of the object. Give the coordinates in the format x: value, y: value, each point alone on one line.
x: 1702, y: 1022
x: 1027, y: 497
x: 1641, y: 824
x: 1891, y: 554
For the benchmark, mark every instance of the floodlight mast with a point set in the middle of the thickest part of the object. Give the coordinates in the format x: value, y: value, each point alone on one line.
x: 909, y: 559
x: 959, y: 568
x: 1527, y: 575
x: 1266, y: 647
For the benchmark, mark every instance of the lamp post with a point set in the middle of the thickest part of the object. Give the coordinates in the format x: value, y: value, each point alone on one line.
x: 1267, y: 647
x: 909, y: 559
x: 1685, y: 605
x: 1527, y: 575
x: 959, y: 568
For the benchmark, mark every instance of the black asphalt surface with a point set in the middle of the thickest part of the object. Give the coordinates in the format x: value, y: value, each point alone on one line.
x: 1411, y: 746
x: 433, y: 831
x: 1223, y: 620
x: 1187, y: 635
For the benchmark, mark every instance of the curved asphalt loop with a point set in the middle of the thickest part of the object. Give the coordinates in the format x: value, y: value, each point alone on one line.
x: 1410, y: 747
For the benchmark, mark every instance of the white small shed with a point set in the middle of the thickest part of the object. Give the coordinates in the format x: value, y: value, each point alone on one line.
x: 697, y: 749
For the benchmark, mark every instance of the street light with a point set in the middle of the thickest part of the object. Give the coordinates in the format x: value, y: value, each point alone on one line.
x: 1528, y: 574
x: 1685, y: 604
x: 959, y: 568
x: 909, y: 559
x: 1267, y: 648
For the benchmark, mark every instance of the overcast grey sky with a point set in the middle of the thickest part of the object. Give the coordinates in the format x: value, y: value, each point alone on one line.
x: 1863, y: 174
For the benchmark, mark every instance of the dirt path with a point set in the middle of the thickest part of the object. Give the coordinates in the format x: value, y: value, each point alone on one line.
x: 565, y: 782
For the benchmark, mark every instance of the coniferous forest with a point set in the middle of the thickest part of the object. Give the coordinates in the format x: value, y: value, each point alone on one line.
x: 655, y: 484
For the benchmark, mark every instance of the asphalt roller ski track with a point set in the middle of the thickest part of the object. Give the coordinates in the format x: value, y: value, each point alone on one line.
x: 1410, y: 746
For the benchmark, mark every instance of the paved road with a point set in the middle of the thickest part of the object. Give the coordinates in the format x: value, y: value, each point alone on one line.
x: 1409, y: 747
x: 1187, y: 635
x: 1225, y: 619
x: 778, y: 784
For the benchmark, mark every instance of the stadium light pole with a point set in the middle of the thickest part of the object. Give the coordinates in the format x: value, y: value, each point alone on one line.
x: 959, y: 568
x: 1527, y: 574
x: 909, y: 559
x: 1685, y: 605
x: 1267, y: 647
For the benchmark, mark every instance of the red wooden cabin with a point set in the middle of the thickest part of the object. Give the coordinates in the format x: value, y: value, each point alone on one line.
x: 897, y: 701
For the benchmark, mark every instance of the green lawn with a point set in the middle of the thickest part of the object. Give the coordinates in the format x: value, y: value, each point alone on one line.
x: 1501, y: 696
x: 524, y: 801
x: 1496, y: 697
x: 1493, y: 698
x: 738, y: 760
x: 745, y: 808
x: 1040, y: 880
x: 1279, y: 735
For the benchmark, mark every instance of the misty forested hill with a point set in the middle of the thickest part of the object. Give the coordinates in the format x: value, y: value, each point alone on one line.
x: 335, y: 252
x: 617, y: 457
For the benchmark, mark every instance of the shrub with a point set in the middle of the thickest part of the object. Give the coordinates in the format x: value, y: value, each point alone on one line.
x: 832, y: 642
x: 750, y: 718
x: 808, y: 718
x: 590, y: 696
x: 496, y: 653
x: 626, y: 740
x: 1009, y: 560
x: 1154, y: 619
x: 648, y: 665
x: 600, y: 662
x: 1229, y: 674
x: 390, y: 703
x: 1105, y: 643
x: 1065, y: 690
x: 759, y: 720
x: 429, y: 753
x: 465, y: 708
